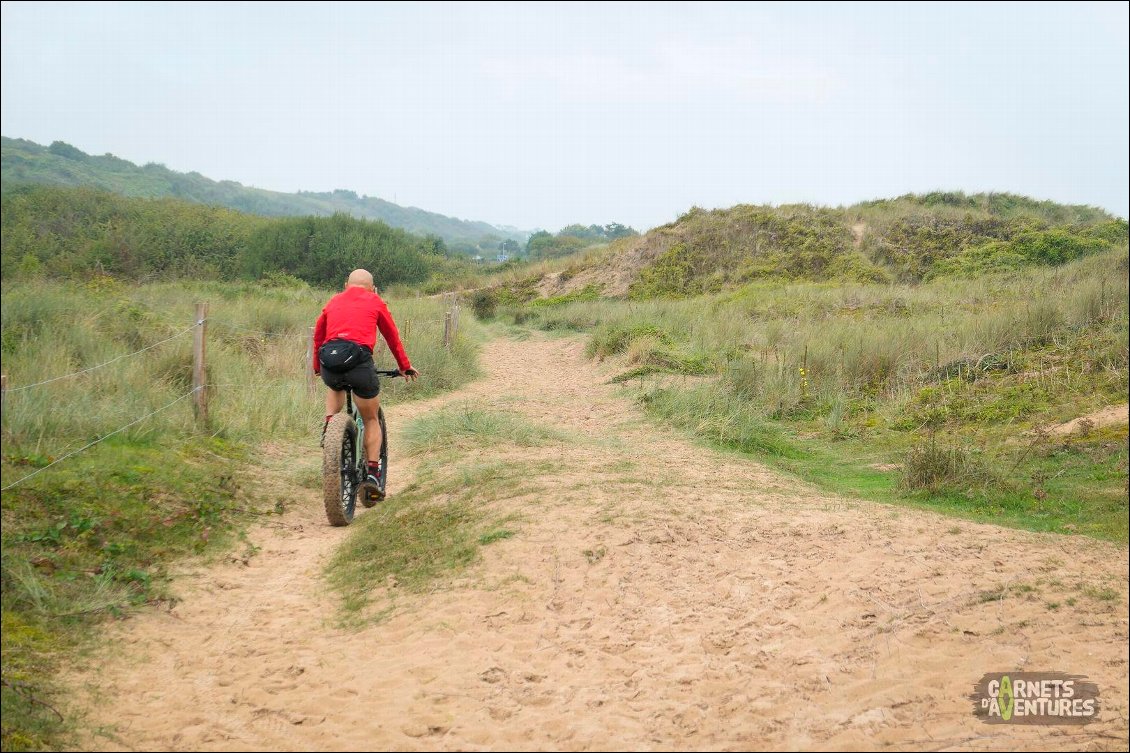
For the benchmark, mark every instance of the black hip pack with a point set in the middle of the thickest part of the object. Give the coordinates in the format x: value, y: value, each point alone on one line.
x: 339, y: 356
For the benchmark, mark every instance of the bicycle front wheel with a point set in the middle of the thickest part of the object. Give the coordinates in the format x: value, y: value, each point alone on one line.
x: 339, y: 476
x: 384, y: 450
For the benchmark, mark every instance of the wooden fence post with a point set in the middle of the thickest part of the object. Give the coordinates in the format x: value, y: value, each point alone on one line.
x: 199, y: 370
x: 309, y: 367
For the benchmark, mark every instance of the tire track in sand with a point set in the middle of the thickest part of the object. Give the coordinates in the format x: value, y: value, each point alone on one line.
x: 658, y: 595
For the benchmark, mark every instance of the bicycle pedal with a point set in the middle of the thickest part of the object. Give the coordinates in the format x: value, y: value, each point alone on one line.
x: 370, y: 495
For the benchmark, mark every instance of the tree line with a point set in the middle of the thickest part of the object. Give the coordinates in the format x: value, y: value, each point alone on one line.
x: 573, y: 238
x: 73, y: 232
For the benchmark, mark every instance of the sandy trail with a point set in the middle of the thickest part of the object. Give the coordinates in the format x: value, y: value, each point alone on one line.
x: 658, y: 595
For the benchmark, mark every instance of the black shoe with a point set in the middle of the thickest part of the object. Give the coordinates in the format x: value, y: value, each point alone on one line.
x: 371, y: 492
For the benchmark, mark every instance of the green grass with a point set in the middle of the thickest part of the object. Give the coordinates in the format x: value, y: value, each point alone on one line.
x: 499, y: 534
x: 429, y: 531
x: 91, y: 539
x: 588, y: 293
x: 1100, y: 593
x: 93, y: 536
x: 1082, y: 480
x: 436, y: 527
x: 459, y: 427
x: 846, y: 470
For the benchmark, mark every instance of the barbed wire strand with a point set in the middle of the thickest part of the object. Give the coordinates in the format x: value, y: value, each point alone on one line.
x: 233, y: 325
x: 107, y: 363
x: 303, y: 335
x: 235, y: 385
x: 101, y: 439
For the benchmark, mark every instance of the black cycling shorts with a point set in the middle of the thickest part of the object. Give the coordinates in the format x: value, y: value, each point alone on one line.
x: 362, y: 379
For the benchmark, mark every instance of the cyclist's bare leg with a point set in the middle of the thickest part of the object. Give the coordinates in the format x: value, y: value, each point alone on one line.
x: 335, y: 401
x: 368, y: 409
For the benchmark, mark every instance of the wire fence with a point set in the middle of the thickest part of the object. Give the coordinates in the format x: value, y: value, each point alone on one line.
x: 261, y: 332
x: 200, y: 389
x: 103, y: 364
x: 101, y: 439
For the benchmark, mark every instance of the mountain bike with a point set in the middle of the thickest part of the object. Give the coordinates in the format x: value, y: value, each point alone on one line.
x: 344, y: 462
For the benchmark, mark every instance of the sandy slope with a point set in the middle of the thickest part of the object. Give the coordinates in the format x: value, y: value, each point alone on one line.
x: 1112, y: 415
x: 658, y: 595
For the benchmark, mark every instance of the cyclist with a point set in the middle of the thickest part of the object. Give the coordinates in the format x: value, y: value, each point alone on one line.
x: 344, y: 338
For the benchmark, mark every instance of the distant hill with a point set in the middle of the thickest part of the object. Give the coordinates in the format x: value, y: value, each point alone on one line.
x: 909, y: 238
x: 62, y: 164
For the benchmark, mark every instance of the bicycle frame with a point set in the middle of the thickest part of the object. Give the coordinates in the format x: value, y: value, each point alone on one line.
x: 359, y: 445
x: 345, y: 476
x: 351, y: 409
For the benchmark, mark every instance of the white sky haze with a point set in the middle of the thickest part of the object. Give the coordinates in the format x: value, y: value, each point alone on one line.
x: 540, y: 115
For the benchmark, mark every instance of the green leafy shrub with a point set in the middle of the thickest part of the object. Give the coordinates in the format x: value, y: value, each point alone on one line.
x: 1043, y: 247
x: 484, y: 301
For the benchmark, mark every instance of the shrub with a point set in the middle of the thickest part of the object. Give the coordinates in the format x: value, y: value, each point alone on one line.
x: 932, y: 468
x: 609, y: 341
x: 1043, y: 247
x: 484, y: 301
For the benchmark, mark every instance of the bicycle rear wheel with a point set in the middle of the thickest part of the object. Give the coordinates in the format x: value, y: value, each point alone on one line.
x: 367, y: 499
x: 339, y: 476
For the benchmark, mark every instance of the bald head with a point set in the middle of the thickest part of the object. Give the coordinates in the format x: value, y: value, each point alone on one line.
x: 360, y: 278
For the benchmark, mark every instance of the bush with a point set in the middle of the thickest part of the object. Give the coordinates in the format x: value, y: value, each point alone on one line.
x: 484, y: 301
x: 932, y: 468
x: 1043, y: 247
x: 283, y: 280
x: 609, y: 341
x: 856, y: 267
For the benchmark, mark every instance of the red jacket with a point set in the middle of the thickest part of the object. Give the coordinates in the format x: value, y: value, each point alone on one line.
x: 355, y: 315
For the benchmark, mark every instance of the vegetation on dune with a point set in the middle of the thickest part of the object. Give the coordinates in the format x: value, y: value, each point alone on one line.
x: 703, y: 252
x: 999, y: 204
x: 920, y: 237
x: 908, y: 239
x: 62, y: 233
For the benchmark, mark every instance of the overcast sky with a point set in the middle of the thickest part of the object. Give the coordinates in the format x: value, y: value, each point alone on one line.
x: 539, y: 115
